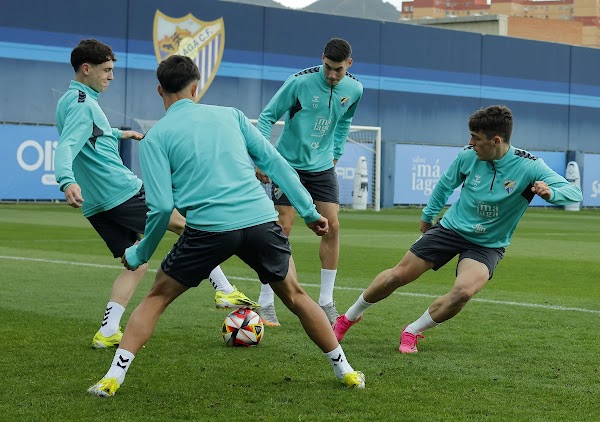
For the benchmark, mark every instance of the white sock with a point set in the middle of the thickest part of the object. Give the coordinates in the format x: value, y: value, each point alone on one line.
x: 267, y: 296
x: 338, y: 360
x: 120, y: 364
x: 423, y: 323
x: 359, y: 307
x: 219, y: 281
x: 327, y: 283
x: 112, y: 319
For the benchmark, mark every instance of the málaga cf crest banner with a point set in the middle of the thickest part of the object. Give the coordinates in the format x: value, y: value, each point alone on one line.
x: 201, y: 41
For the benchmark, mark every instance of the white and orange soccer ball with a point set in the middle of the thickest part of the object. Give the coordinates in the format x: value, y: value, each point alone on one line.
x: 242, y: 328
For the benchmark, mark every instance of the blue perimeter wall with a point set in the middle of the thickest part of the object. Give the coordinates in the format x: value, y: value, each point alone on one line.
x: 421, y: 83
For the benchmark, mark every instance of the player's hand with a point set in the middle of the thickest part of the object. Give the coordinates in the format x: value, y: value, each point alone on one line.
x: 131, y: 134
x: 124, y: 262
x: 542, y: 189
x: 334, y: 162
x: 320, y: 227
x: 423, y: 226
x: 73, y: 195
x: 261, y: 176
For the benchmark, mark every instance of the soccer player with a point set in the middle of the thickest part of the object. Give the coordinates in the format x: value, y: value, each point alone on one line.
x: 498, y: 183
x: 92, y: 176
x: 320, y: 103
x: 202, y: 169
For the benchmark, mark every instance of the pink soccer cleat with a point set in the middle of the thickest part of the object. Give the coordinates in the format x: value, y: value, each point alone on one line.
x: 341, y: 325
x: 408, y: 341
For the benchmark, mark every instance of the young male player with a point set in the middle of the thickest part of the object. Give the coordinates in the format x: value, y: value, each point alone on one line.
x: 92, y: 176
x: 319, y: 104
x: 202, y: 168
x: 498, y: 183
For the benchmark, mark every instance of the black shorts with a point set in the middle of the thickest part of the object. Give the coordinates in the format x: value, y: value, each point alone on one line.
x: 121, y: 226
x: 263, y: 247
x: 322, y: 186
x: 439, y: 245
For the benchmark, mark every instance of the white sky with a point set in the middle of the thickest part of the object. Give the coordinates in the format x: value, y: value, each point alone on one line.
x: 299, y: 4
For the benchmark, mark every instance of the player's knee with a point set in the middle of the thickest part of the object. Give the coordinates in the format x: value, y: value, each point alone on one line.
x: 400, y: 275
x: 461, y: 295
x: 334, y: 227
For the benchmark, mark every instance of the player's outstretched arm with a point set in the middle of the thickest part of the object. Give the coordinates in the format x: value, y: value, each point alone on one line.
x: 131, y: 134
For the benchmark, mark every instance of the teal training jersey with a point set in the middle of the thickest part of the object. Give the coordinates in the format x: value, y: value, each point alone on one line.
x: 318, y: 118
x: 88, y: 152
x: 494, y: 194
x: 197, y: 159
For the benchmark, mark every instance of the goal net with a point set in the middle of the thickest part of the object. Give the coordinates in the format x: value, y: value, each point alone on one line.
x: 362, y: 146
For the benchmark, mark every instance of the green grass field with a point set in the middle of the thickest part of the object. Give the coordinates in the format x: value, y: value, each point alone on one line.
x: 525, y: 349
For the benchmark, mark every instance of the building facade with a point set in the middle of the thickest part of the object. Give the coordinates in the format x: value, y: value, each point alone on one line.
x: 574, y: 22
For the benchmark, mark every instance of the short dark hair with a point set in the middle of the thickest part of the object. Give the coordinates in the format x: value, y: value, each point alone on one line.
x: 337, y: 50
x: 176, y: 72
x: 492, y: 121
x: 91, y: 51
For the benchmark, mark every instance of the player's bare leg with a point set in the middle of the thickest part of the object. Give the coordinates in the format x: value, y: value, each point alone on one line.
x: 266, y: 300
x: 471, y: 277
x: 329, y: 253
x: 316, y: 325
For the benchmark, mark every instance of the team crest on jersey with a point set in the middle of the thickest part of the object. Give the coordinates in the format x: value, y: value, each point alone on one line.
x: 201, y: 41
x: 344, y: 101
x: 509, y: 186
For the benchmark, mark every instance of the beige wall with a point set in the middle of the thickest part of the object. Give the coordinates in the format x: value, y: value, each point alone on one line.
x: 565, y: 32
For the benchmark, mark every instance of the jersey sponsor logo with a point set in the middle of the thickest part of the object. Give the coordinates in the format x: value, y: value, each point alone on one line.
x: 321, y: 127
x: 488, y: 211
x: 479, y: 228
x: 476, y: 180
x: 509, y: 186
x: 344, y: 101
x: 201, y: 41
x: 315, y: 101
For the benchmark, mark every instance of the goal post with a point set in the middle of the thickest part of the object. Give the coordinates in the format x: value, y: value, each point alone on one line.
x: 363, y: 144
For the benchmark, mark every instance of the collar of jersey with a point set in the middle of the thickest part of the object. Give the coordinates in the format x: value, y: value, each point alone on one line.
x: 83, y: 87
x: 323, y: 80
x: 510, y: 153
x: 178, y: 104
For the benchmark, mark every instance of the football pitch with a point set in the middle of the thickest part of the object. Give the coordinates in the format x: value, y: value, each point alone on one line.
x: 526, y: 348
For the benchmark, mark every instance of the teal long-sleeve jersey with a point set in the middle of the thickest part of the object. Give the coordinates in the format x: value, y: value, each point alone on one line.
x: 197, y: 159
x: 318, y: 118
x: 88, y: 154
x: 494, y: 194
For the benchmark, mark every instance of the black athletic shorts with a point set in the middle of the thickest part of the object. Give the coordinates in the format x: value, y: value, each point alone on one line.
x: 439, y: 245
x: 263, y: 247
x: 122, y: 226
x: 322, y: 186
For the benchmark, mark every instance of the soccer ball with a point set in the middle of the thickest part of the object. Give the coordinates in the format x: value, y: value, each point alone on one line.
x: 242, y: 327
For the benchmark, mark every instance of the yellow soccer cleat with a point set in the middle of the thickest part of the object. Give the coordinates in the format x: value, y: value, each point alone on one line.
x: 106, y: 387
x: 235, y: 299
x: 354, y: 379
x: 101, y: 342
